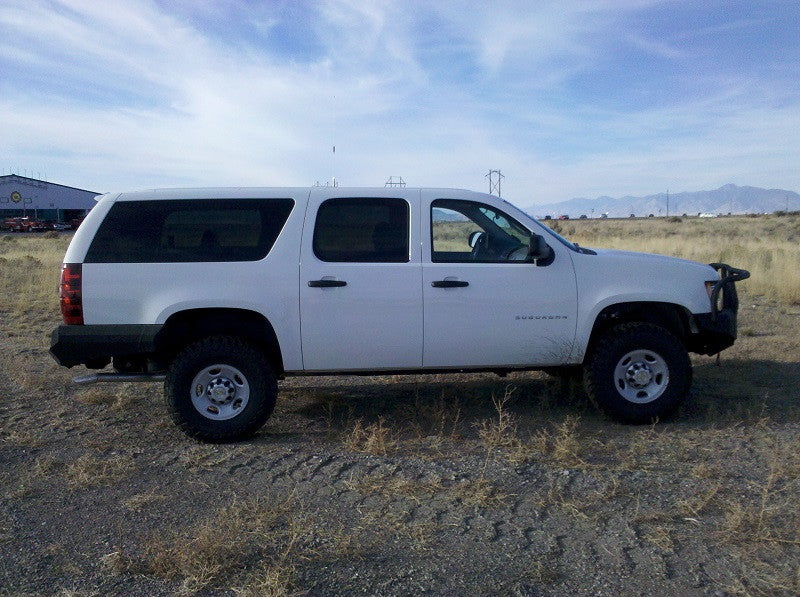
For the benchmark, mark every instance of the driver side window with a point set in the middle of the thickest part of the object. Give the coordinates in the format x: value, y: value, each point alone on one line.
x: 466, y: 231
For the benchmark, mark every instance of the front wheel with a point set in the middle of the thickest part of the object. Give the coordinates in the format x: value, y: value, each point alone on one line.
x: 637, y: 373
x: 220, y: 389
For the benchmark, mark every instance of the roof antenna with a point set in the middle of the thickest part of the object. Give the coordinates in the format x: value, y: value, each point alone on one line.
x: 334, y: 165
x: 333, y: 138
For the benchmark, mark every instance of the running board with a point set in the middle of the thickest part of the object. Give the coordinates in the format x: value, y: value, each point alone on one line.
x: 119, y: 377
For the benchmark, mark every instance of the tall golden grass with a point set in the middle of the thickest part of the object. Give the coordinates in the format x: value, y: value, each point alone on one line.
x: 30, y: 266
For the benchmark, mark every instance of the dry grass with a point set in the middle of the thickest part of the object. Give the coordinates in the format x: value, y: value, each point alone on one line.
x: 501, y: 434
x: 439, y: 418
x: 262, y: 534
x: 29, y: 272
x: 481, y: 493
x: 92, y: 471
x: 142, y: 501
x: 393, y: 485
x: 472, y: 493
x: 375, y: 438
x: 209, y: 456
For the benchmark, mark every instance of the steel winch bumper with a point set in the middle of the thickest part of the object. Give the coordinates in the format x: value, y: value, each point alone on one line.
x: 717, y: 330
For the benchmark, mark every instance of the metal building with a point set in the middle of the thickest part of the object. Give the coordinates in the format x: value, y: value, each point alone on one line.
x: 22, y: 196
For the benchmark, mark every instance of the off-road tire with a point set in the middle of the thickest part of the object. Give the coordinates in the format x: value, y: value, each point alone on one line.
x: 607, y: 387
x: 236, y: 355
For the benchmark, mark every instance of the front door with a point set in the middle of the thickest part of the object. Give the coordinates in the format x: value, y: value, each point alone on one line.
x: 360, y: 282
x: 486, y: 304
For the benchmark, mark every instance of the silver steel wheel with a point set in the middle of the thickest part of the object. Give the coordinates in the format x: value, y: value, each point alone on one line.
x: 641, y: 376
x: 220, y: 392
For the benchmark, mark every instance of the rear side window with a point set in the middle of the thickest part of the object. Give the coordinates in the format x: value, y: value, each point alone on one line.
x: 181, y: 231
x: 362, y: 230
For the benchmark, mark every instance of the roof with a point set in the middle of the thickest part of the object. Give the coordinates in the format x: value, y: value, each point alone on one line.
x: 258, y: 192
x: 21, y: 192
x: 26, y: 180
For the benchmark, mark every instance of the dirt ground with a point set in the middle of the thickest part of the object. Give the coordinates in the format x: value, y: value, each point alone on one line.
x: 451, y: 484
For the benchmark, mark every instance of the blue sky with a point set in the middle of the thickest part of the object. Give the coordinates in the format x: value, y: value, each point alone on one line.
x: 568, y: 99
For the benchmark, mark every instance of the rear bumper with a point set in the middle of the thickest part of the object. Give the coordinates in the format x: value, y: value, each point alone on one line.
x: 717, y: 330
x: 94, y: 345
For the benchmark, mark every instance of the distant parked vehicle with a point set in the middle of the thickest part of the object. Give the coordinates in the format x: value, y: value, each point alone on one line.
x: 632, y: 216
x: 604, y: 216
x: 563, y: 217
x: 23, y: 224
x: 548, y: 217
x: 650, y: 216
x: 37, y: 226
x: 583, y: 217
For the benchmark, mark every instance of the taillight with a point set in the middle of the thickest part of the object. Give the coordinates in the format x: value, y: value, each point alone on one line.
x: 69, y: 291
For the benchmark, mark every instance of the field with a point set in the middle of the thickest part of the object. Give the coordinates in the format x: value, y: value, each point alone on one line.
x: 458, y: 484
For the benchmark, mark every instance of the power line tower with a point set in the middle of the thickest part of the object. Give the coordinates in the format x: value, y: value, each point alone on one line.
x: 395, y: 181
x: 495, y: 178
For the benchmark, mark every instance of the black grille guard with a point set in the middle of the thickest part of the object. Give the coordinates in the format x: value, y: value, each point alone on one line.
x: 728, y: 276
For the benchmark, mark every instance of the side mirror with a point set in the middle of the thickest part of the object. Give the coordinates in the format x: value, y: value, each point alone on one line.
x: 474, y: 238
x: 539, y: 251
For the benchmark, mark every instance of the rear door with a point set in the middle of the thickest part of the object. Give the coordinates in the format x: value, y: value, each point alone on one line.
x: 361, y: 281
x: 485, y: 304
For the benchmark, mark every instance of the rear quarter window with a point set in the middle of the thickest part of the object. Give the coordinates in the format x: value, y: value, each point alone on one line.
x: 362, y: 229
x: 185, y: 231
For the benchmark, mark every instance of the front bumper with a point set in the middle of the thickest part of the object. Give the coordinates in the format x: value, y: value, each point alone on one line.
x: 94, y: 345
x: 717, y: 330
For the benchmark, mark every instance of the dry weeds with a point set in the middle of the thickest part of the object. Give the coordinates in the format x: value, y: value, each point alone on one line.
x: 375, y: 438
x: 501, y: 433
x: 220, y: 548
x: 92, y: 471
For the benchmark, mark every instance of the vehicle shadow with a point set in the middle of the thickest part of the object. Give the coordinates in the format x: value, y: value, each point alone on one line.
x: 744, y: 391
x: 429, y: 404
x: 735, y: 392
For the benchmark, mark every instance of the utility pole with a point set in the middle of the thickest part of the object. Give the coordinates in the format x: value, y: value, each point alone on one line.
x: 495, y: 177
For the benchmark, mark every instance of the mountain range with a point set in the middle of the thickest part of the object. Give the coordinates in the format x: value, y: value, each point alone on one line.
x: 726, y: 199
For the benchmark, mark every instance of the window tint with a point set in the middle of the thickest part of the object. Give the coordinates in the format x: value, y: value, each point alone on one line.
x: 182, y: 231
x: 466, y: 231
x: 362, y: 230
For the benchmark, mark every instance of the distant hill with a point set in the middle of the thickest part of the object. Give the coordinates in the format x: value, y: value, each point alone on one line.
x: 727, y: 199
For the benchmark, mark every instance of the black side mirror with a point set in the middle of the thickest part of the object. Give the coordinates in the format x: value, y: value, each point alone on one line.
x: 474, y: 238
x: 539, y: 251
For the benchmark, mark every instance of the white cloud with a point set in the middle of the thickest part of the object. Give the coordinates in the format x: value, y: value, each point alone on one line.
x: 129, y: 94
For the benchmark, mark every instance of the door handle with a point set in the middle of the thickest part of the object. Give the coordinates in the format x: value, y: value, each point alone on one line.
x: 449, y: 283
x: 326, y: 283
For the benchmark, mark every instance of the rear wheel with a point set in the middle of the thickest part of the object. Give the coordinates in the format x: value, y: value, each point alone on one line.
x: 638, y: 372
x: 220, y: 389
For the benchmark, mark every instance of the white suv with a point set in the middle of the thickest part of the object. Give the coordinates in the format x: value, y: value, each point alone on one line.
x: 221, y: 291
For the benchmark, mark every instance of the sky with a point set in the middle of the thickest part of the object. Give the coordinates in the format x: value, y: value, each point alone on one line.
x: 567, y: 98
